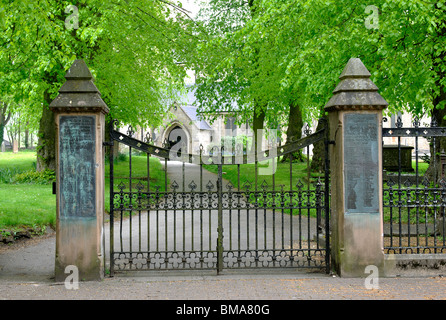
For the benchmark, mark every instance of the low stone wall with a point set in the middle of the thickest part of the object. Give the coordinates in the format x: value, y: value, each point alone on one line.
x: 415, y: 265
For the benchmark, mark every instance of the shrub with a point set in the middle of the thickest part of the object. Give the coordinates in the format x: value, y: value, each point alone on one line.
x: 7, y: 174
x: 35, y: 177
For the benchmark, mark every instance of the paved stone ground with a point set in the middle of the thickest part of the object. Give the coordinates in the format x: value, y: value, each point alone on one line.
x: 233, y: 287
x: 27, y: 274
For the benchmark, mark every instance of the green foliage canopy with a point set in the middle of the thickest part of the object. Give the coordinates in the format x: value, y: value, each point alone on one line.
x: 131, y: 47
x: 294, y: 51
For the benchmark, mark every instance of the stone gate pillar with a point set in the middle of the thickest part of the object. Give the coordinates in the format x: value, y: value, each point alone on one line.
x: 355, y: 119
x: 80, y: 128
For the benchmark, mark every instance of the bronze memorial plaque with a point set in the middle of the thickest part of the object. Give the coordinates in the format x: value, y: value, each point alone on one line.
x: 361, y: 163
x: 77, y: 170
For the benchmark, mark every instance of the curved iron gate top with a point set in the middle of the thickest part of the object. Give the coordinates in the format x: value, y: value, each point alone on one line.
x: 201, y: 221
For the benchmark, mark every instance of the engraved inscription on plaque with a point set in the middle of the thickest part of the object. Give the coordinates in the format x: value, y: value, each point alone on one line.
x: 77, y: 166
x: 361, y: 163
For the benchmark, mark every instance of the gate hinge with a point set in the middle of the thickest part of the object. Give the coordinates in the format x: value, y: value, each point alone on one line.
x: 331, y: 142
x: 107, y: 143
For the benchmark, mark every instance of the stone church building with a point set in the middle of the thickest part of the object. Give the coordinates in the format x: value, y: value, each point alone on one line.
x: 184, y: 126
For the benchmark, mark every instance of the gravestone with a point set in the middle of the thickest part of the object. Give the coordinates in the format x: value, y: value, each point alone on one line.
x: 15, y: 146
x: 355, y: 118
x: 391, y: 158
x: 80, y: 129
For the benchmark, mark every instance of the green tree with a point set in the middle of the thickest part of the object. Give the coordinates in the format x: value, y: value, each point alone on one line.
x: 240, y: 55
x: 302, y: 48
x: 132, y: 48
x: 224, y: 65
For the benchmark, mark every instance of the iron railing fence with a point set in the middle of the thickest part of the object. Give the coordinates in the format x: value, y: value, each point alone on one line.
x: 414, y: 192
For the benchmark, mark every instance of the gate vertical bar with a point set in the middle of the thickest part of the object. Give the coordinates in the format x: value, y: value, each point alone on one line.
x: 290, y: 205
x: 256, y: 169
x: 148, y: 201
x: 400, y: 232
x: 220, y: 219
x: 112, y: 209
x: 416, y: 124
x: 201, y: 205
x: 166, y: 248
x: 184, y: 212
x: 434, y: 143
x: 238, y: 214
x: 130, y: 193
x: 327, y: 200
x: 274, y: 207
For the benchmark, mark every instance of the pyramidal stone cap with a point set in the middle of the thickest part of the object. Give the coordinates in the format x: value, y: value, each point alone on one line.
x: 355, y: 91
x: 78, y: 93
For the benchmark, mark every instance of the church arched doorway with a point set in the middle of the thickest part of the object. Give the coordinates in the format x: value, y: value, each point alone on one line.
x: 177, y: 140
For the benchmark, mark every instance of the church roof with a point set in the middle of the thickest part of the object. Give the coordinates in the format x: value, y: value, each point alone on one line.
x: 186, y: 103
x: 191, y: 112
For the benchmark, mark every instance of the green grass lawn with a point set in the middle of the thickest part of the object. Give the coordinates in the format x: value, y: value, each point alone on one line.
x: 23, y: 205
x: 12, y: 164
x: 281, y: 175
x: 27, y: 205
x: 24, y: 160
x: 422, y: 167
x: 33, y: 204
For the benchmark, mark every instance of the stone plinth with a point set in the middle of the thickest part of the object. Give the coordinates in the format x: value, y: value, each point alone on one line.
x: 355, y: 117
x: 80, y: 128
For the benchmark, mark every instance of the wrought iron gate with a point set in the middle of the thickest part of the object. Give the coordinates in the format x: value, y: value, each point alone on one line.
x: 199, y: 220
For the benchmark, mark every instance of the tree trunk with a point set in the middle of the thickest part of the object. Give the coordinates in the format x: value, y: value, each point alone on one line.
x: 2, y: 129
x: 318, y: 160
x: 27, y: 136
x: 46, y: 146
x: 19, y: 133
x: 4, y: 118
x: 259, y: 118
x: 294, y: 131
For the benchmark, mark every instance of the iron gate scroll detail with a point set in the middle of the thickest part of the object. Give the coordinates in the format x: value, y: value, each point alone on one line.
x: 202, y: 221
